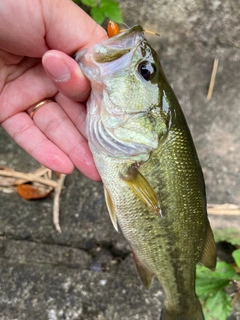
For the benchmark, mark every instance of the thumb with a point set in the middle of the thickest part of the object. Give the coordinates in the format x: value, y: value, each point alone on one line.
x: 68, y: 27
x: 66, y: 75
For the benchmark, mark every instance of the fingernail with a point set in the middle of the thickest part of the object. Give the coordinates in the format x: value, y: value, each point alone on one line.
x: 56, y: 67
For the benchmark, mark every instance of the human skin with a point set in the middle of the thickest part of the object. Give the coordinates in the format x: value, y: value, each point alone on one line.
x: 37, y: 39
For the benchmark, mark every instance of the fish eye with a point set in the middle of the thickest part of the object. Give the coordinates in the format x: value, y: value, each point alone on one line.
x: 147, y: 70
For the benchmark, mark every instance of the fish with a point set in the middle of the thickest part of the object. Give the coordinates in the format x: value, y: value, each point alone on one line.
x: 153, y: 182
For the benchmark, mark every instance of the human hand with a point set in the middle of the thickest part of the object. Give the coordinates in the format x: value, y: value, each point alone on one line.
x: 36, y: 41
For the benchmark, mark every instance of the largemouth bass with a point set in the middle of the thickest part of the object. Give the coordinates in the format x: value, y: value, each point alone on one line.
x: 153, y: 182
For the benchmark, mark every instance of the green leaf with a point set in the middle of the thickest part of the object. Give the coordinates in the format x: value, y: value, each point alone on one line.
x: 107, y: 9
x: 206, y: 288
x: 210, y: 287
x: 90, y: 3
x: 223, y: 271
x: 112, y: 10
x: 230, y: 235
x: 102, y: 9
x: 208, y: 282
x: 116, y: 16
x: 98, y: 15
x: 109, y: 3
x: 236, y: 256
x: 217, y: 307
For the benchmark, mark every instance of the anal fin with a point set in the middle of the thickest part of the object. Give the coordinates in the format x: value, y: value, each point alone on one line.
x: 142, y: 189
x: 208, y: 258
x: 144, y: 273
x: 111, y: 208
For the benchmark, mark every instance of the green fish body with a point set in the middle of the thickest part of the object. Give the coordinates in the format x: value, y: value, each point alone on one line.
x: 153, y: 182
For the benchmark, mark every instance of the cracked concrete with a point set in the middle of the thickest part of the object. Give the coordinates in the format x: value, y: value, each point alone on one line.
x: 87, y: 271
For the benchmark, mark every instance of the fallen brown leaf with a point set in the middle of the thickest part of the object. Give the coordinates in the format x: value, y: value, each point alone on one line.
x: 40, y: 187
x: 33, y: 191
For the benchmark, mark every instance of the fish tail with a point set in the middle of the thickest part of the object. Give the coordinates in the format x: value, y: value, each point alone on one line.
x: 195, y: 314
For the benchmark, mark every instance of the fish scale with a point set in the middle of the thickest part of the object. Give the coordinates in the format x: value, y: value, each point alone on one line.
x: 153, y: 181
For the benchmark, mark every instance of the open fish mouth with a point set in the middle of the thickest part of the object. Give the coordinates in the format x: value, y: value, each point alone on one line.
x: 119, y: 48
x: 114, y: 48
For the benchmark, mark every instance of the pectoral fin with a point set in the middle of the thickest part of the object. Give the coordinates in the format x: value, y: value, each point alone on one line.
x: 144, y: 273
x: 142, y: 189
x: 111, y: 208
x: 208, y: 258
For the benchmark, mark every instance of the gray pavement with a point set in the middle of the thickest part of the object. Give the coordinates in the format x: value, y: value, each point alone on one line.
x: 87, y: 271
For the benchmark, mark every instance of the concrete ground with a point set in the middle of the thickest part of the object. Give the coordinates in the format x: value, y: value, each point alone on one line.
x: 87, y: 271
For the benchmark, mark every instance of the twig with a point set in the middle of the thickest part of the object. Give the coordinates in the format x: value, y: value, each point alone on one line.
x: 58, y: 190
x: 212, y: 80
x: 42, y: 176
x: 223, y: 209
x: 9, y: 189
x: 28, y: 177
x: 42, y: 171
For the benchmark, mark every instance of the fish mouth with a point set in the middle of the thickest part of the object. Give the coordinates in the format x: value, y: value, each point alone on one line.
x: 113, y: 48
x: 126, y: 39
x: 127, y: 32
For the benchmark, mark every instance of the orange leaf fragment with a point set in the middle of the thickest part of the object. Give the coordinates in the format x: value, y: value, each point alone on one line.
x: 112, y: 29
x: 33, y: 191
